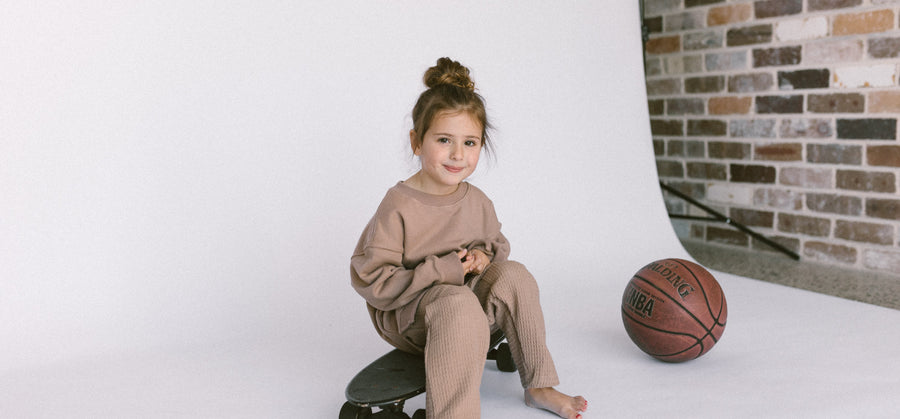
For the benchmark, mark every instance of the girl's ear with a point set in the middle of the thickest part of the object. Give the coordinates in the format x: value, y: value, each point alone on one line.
x: 414, y: 142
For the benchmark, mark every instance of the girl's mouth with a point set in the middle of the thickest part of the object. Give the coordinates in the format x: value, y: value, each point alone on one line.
x: 453, y: 169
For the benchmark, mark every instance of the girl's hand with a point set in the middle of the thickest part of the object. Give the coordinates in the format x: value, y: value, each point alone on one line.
x: 474, y: 262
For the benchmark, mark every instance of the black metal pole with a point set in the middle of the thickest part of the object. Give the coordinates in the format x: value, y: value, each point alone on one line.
x: 722, y: 218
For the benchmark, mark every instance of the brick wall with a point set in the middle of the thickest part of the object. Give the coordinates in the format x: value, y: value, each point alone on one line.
x: 783, y: 115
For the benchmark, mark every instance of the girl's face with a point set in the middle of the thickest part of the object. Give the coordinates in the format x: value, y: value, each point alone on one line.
x: 449, y: 152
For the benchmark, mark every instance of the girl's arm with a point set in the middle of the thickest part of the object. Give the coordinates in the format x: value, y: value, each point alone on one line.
x: 378, y: 275
x: 494, y: 245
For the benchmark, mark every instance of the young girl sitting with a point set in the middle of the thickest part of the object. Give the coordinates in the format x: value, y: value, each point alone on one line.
x: 432, y: 263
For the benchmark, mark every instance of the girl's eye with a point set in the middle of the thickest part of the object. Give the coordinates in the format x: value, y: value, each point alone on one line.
x: 471, y: 143
x: 443, y: 140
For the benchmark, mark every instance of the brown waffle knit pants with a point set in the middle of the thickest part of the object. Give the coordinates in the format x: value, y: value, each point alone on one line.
x: 453, y: 326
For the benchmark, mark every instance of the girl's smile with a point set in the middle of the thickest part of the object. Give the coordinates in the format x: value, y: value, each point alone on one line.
x: 449, y: 152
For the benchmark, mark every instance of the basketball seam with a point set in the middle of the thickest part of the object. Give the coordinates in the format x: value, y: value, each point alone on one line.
x: 683, y: 308
x: 722, y: 302
x: 709, y: 330
x: 697, y: 341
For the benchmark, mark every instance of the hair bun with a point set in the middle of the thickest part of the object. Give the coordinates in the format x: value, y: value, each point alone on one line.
x: 449, y: 72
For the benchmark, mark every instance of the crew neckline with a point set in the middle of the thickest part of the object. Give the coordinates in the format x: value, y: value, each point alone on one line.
x: 434, y: 200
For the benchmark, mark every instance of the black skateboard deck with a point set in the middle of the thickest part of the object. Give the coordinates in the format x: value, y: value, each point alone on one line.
x: 398, y: 376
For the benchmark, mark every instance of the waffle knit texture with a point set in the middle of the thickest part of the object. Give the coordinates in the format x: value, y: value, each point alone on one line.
x: 411, y: 244
x: 406, y: 267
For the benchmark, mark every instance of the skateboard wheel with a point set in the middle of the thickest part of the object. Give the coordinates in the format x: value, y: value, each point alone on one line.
x: 349, y: 411
x: 420, y: 414
x: 504, y: 358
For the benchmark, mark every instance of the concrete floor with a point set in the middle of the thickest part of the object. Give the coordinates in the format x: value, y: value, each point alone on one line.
x: 873, y: 288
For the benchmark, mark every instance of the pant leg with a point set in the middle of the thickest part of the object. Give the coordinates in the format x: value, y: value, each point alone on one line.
x: 453, y: 329
x: 509, y: 296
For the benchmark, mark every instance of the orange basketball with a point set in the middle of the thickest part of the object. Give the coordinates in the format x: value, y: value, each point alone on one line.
x: 674, y: 310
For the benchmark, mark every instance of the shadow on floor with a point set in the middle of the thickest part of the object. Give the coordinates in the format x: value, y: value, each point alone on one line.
x: 868, y: 287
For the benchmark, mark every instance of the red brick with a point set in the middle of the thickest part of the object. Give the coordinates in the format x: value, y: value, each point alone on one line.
x: 669, y: 168
x: 667, y: 127
x: 708, y: 84
x: 834, y: 204
x: 789, y: 242
x: 883, y: 155
x: 776, y: 56
x: 834, y: 154
x: 664, y: 45
x: 679, y: 148
x: 753, y: 218
x: 804, y: 79
x: 652, y: 67
x: 698, y: 231
x: 654, y: 24
x: 779, y: 104
x: 728, y: 150
x: 702, y: 40
x: 700, y: 170
x: 691, y: 189
x: 837, y: 103
x: 864, y: 232
x: 683, y: 106
x: 750, y: 35
x: 779, y: 152
x: 682, y: 64
x: 775, y: 8
x: 815, y: 5
x: 707, y: 127
x: 726, y: 236
x: 729, y: 14
x: 752, y: 173
x: 729, y: 105
x: 889, y: 209
x: 661, y: 87
x: 860, y: 23
x: 885, y: 101
x: 693, y: 19
x: 884, y: 48
x: 801, y: 224
x: 695, y: 3
x: 867, y: 129
x: 827, y: 252
x: 659, y: 147
x: 857, y: 180
x: 656, y: 107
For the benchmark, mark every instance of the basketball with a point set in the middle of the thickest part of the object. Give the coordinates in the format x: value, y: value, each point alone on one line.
x: 674, y: 310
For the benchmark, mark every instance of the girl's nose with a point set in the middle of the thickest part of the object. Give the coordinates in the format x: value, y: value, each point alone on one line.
x: 456, y: 152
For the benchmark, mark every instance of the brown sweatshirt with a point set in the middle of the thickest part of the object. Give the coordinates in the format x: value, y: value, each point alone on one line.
x: 411, y: 242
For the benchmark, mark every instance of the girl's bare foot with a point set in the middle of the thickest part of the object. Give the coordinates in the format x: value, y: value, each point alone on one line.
x: 548, y: 398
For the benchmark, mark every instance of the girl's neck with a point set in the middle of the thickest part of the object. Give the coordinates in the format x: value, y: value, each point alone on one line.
x: 419, y: 183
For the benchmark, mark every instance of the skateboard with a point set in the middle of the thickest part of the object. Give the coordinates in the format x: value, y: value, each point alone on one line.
x: 389, y: 381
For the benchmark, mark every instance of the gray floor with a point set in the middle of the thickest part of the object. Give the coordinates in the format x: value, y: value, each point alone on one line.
x: 872, y: 288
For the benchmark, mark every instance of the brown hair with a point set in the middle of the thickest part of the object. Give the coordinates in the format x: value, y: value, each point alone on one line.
x: 449, y: 89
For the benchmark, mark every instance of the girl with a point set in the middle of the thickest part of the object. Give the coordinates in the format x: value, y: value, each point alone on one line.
x: 432, y: 263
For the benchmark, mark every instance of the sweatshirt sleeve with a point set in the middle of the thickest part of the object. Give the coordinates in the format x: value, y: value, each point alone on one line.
x: 377, y: 270
x: 494, y: 243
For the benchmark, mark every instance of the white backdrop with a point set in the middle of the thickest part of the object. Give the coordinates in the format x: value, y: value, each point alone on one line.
x: 185, y: 171
x: 182, y: 184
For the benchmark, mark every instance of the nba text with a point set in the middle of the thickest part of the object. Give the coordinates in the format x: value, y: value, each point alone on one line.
x: 640, y: 302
